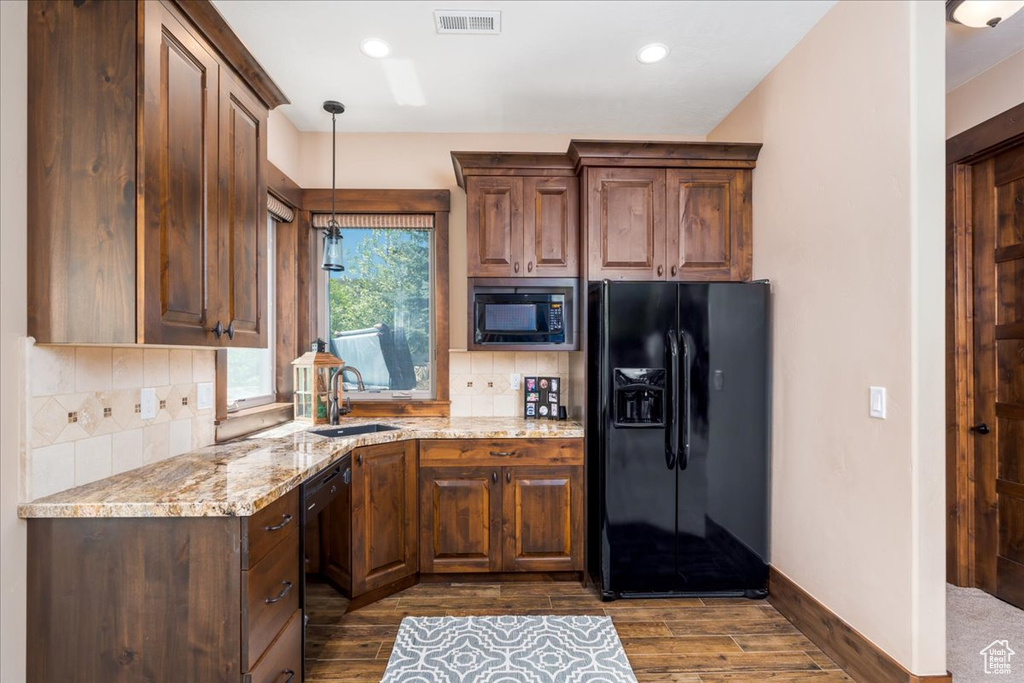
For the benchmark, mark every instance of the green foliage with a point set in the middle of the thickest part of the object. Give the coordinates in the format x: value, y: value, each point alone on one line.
x: 387, y: 280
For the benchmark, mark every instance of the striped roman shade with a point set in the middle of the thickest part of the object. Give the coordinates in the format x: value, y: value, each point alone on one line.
x: 279, y: 210
x: 376, y: 220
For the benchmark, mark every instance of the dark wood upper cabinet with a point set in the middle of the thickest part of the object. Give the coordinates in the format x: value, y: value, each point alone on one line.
x: 666, y: 211
x: 385, y: 520
x: 460, y: 519
x: 148, y: 196
x: 522, y: 214
x: 626, y: 223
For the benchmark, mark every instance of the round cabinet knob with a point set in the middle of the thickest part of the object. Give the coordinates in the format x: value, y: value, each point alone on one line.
x: 359, y: 459
x: 515, y: 267
x: 231, y: 330
x: 218, y: 329
x: 494, y: 477
x: 980, y: 429
x: 508, y: 477
x: 673, y: 271
x: 529, y: 267
x: 661, y: 270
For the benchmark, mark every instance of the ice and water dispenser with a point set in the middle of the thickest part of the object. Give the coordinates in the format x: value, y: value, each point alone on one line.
x: 639, y: 397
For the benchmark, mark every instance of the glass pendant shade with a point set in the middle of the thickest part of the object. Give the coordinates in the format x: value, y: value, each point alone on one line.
x: 333, y: 257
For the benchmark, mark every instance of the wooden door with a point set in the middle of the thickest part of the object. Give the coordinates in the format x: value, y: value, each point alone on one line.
x: 385, y: 543
x: 494, y: 226
x: 708, y: 221
x: 998, y: 433
x: 178, y: 248
x: 460, y: 514
x: 626, y: 223
x: 543, y: 518
x: 242, y: 235
x: 551, y: 227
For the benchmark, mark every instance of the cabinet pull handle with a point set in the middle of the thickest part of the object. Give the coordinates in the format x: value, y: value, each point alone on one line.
x: 218, y: 329
x: 231, y: 330
x: 529, y: 267
x: 494, y: 477
x: 508, y: 477
x: 290, y: 674
x: 359, y: 458
x: 285, y: 519
x: 282, y: 595
x: 661, y: 270
x: 503, y: 454
x: 516, y: 266
x: 347, y: 477
x: 673, y: 271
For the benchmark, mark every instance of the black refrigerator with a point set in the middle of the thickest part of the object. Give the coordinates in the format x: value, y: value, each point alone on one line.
x: 677, y: 438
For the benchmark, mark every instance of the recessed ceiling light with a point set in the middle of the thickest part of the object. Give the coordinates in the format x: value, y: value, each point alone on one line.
x: 649, y: 54
x: 375, y: 47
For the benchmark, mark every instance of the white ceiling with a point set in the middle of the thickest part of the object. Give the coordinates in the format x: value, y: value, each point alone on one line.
x: 969, y: 51
x: 557, y: 67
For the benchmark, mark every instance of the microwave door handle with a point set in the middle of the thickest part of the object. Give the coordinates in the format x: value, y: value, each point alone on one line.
x: 672, y: 433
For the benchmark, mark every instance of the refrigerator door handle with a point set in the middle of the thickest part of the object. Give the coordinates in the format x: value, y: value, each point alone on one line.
x: 684, y: 456
x: 672, y: 433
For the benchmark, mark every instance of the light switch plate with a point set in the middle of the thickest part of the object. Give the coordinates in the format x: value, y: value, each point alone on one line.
x: 204, y: 396
x: 514, y: 380
x: 147, y: 404
x: 876, y: 407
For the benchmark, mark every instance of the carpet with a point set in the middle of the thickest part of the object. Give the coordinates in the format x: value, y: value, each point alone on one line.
x: 975, y: 620
x: 546, y: 649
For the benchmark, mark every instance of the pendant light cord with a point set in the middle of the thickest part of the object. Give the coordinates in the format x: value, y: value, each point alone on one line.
x: 334, y: 165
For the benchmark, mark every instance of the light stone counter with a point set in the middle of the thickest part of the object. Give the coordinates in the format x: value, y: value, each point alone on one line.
x: 240, y: 477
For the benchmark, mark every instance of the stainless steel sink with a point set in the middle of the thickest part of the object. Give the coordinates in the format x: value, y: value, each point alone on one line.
x: 336, y: 432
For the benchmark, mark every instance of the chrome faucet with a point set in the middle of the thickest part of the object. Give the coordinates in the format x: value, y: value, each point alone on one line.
x: 337, y: 408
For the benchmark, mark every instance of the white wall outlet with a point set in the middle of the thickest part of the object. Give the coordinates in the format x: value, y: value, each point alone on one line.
x: 876, y: 407
x: 147, y: 404
x: 514, y: 380
x: 204, y: 396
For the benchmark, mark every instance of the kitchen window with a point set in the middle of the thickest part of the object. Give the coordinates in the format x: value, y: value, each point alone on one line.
x: 251, y: 372
x: 378, y: 314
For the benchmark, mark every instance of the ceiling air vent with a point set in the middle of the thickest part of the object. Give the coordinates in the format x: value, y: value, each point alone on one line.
x: 467, y: 21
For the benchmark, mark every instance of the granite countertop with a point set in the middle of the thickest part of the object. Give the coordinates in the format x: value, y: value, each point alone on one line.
x: 240, y: 477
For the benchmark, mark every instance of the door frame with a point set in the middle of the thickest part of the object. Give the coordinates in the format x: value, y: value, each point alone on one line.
x: 963, y: 151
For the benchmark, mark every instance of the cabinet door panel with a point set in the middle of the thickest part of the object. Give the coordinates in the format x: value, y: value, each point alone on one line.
x: 543, y: 516
x: 179, y: 242
x: 551, y: 227
x: 460, y: 513
x: 494, y: 226
x: 708, y: 225
x: 626, y: 223
x: 243, y: 215
x: 385, y: 543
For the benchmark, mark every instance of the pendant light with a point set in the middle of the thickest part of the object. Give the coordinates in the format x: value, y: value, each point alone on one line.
x: 333, y: 260
x: 981, y: 13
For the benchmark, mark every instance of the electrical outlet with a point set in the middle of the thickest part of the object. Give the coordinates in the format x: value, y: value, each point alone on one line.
x: 876, y: 407
x: 514, y: 380
x: 147, y: 404
x: 204, y: 396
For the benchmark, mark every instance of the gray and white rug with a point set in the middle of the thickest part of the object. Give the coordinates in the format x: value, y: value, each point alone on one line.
x: 508, y: 650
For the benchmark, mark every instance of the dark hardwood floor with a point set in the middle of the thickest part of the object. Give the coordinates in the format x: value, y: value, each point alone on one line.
x: 667, y: 641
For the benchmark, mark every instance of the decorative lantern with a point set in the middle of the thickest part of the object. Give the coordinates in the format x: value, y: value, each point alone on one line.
x: 313, y: 373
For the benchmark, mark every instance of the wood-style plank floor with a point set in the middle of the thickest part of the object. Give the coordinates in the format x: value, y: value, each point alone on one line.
x: 688, y: 640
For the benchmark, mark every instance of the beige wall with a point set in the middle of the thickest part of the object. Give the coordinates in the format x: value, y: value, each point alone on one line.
x: 987, y: 94
x: 13, y: 274
x: 283, y: 143
x: 848, y: 226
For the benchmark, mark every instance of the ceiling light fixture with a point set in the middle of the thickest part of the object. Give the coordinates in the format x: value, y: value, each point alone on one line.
x: 333, y: 258
x: 981, y: 13
x: 649, y: 54
x: 375, y: 47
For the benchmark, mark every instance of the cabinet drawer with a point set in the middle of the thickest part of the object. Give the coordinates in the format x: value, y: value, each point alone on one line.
x: 491, y: 452
x: 268, y: 527
x: 270, y: 594
x: 282, y: 662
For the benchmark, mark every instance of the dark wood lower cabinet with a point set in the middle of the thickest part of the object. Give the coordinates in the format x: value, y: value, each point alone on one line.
x: 543, y: 517
x: 460, y: 519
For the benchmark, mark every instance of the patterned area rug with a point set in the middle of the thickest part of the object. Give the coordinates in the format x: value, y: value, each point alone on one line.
x: 508, y: 650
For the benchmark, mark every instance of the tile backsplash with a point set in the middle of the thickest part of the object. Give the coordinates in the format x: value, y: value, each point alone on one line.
x: 479, y: 380
x: 84, y: 416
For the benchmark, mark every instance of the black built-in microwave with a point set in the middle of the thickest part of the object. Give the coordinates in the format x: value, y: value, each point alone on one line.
x: 518, y: 314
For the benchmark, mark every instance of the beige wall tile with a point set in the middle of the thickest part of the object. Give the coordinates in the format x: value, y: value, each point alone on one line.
x: 51, y: 370
x: 482, y: 406
x: 204, y: 367
x: 459, y: 363
x: 526, y: 362
x: 48, y: 420
x: 156, y: 442
x: 180, y: 367
x: 128, y: 450
x: 462, y: 406
x: 203, y: 431
x: 93, y: 367
x: 92, y: 459
x: 180, y: 437
x: 156, y: 367
x: 547, y: 363
x: 52, y: 469
x: 505, y: 405
x: 504, y: 362
x: 126, y: 368
x: 481, y: 362
x: 563, y: 364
